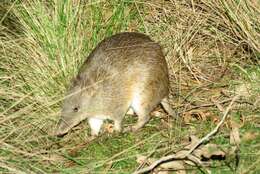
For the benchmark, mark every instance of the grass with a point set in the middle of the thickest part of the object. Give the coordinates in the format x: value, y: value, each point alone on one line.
x: 212, y: 50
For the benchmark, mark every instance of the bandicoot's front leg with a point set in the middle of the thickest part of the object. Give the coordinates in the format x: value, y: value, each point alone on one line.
x: 95, y: 126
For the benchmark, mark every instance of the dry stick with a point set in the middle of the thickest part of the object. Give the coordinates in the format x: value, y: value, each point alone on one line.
x: 183, y: 156
x: 214, y: 104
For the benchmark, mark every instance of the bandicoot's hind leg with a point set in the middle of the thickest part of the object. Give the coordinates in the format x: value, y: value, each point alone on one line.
x: 118, y: 125
x: 143, y: 118
x: 142, y: 105
x: 167, y: 107
x: 119, y: 113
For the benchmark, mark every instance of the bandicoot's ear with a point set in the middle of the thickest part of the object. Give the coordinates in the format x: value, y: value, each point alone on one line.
x: 76, y: 80
x: 79, y: 81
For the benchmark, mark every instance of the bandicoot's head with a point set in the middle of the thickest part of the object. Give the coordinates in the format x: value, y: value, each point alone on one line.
x: 76, y: 108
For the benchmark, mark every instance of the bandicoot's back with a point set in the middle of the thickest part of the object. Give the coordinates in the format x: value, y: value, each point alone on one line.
x: 126, y: 70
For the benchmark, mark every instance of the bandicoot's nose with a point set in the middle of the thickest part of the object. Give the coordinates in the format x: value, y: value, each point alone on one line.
x: 60, y: 135
x: 61, y: 129
x: 58, y: 132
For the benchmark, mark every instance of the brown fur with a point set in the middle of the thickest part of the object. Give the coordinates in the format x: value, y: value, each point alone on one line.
x: 124, y: 68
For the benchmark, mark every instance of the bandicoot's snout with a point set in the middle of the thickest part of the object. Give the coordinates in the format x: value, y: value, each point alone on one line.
x: 62, y: 128
x: 65, y: 124
x: 60, y: 135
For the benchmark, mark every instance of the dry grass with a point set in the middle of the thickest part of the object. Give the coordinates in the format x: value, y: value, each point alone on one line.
x: 211, y: 46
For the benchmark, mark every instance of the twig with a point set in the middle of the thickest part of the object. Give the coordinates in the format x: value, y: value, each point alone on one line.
x: 212, y: 104
x: 207, y: 105
x: 183, y: 156
x: 218, y: 105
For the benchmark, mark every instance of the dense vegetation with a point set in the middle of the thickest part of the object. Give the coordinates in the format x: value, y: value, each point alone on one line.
x: 213, y: 52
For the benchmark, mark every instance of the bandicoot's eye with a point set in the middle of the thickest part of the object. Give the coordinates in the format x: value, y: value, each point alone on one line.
x: 76, y: 109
